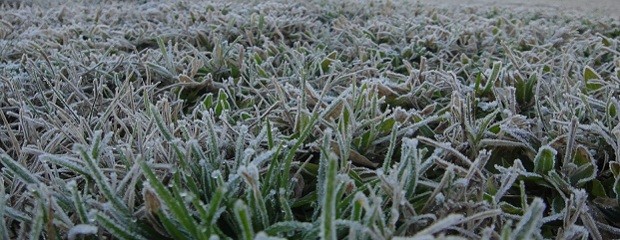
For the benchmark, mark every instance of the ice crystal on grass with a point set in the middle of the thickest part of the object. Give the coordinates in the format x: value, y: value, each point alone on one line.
x: 81, y: 230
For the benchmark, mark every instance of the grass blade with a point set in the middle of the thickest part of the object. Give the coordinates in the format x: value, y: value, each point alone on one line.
x: 78, y: 202
x: 101, y: 180
x: 175, y: 205
x: 4, y: 232
x: 242, y: 215
x: 117, y: 229
x: 20, y: 171
x: 530, y: 221
x: 328, y: 203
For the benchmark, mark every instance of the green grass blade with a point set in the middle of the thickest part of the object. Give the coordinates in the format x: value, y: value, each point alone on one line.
x: 544, y: 160
x: 497, y: 66
x: 242, y: 215
x: 387, y: 161
x: 38, y: 219
x: 20, y: 171
x: 286, y: 207
x: 176, y: 206
x: 270, y: 178
x: 173, y: 228
x: 17, y: 215
x: 67, y: 163
x: 250, y: 175
x: 101, y: 180
x: 270, y: 142
x: 288, y: 226
x: 214, y: 205
x: 169, y: 61
x: 119, y: 230
x: 285, y: 180
x: 442, y: 224
x: 530, y: 221
x: 161, y: 125
x: 4, y: 232
x: 78, y: 202
x: 328, y: 206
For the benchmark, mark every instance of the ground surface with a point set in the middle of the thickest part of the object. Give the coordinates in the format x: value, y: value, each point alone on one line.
x: 608, y: 8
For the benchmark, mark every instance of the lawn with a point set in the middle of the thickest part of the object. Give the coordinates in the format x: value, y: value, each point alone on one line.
x: 370, y: 119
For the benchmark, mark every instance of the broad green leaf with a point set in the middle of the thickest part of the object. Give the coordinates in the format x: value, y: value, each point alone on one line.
x: 590, y: 74
x: 208, y: 102
x: 525, y: 89
x: 586, y: 169
x: 582, y: 174
x: 509, y: 208
x: 495, y: 30
x: 387, y: 125
x: 598, y: 190
x: 581, y: 156
x: 464, y: 59
x: 544, y: 160
x: 559, y: 183
x: 497, y: 66
x: 614, y: 166
x: 605, y: 41
x: 495, y: 128
x: 477, y: 83
x: 611, y: 110
x: 222, y: 102
x: 327, y: 61
x: 558, y: 204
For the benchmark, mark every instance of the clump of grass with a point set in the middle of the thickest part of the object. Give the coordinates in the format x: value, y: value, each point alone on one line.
x: 300, y: 120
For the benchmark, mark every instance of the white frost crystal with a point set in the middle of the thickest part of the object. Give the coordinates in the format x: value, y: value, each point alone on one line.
x: 486, y: 106
x: 81, y: 230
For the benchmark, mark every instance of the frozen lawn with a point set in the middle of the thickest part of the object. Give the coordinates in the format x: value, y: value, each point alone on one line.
x: 305, y: 120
